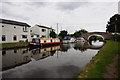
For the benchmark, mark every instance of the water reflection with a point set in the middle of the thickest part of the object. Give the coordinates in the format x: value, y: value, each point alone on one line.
x: 12, y: 58
x: 16, y: 57
x: 38, y: 53
x: 65, y: 47
x: 82, y: 46
x: 62, y: 61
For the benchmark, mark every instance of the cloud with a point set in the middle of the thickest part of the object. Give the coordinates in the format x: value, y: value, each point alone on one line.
x: 70, y: 5
x: 119, y: 7
x: 71, y: 16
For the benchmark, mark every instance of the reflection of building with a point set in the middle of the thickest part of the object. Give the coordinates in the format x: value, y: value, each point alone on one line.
x: 44, y: 52
x: 16, y: 57
x: 12, y: 58
x: 14, y: 31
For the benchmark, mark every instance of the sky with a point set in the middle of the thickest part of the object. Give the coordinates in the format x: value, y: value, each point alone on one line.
x: 71, y: 15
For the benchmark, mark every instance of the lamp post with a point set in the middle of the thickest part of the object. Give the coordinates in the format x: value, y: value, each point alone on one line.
x: 115, y: 24
x: 115, y: 27
x: 57, y: 29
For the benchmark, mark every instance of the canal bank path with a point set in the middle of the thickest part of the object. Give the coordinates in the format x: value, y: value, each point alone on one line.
x: 105, y: 64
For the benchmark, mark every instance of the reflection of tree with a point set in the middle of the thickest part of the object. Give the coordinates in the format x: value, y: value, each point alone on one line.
x: 81, y: 46
x: 37, y: 51
x: 65, y: 47
x: 52, y: 52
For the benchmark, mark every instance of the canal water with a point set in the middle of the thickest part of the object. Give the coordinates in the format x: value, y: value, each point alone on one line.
x: 62, y: 61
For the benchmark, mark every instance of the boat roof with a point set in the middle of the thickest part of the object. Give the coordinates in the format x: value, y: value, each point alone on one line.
x: 45, y: 38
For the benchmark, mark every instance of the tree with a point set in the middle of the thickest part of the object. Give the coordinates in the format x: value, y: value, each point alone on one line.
x: 113, y: 24
x: 83, y: 31
x: 80, y: 32
x: 53, y: 34
x: 63, y: 33
x: 77, y: 34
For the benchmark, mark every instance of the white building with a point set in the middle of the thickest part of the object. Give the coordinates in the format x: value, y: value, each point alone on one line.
x: 42, y: 31
x: 14, y: 31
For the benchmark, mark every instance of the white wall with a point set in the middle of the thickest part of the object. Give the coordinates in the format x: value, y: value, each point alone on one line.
x: 38, y: 30
x: 9, y: 31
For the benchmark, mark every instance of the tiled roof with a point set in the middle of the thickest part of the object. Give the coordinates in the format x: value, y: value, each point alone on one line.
x: 44, y: 27
x: 13, y: 22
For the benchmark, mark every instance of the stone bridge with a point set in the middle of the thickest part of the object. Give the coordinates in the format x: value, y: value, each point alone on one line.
x: 104, y: 35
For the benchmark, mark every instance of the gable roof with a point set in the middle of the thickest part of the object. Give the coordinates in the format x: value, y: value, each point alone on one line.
x: 13, y: 22
x: 43, y: 26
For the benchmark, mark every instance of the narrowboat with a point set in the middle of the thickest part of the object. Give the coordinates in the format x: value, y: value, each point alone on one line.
x: 44, y: 42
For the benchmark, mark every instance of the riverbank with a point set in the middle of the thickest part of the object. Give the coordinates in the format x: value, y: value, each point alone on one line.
x: 14, y: 45
x: 97, y: 67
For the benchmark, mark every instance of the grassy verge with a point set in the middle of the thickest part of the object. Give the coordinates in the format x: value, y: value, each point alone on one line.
x: 14, y: 44
x: 96, y: 67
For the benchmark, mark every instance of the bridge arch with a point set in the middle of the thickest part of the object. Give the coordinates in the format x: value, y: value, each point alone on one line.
x: 95, y: 35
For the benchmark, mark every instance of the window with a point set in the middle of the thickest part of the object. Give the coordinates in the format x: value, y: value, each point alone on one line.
x: 14, y: 27
x: 14, y: 37
x: 43, y: 30
x: 30, y: 30
x: 45, y: 49
x: 3, y: 53
x: 37, y: 35
x: 33, y: 40
x: 43, y: 36
x: 15, y: 51
x: 25, y: 29
x: 2, y: 26
x: 24, y: 36
x: 3, y: 38
x: 31, y: 35
x: 44, y: 41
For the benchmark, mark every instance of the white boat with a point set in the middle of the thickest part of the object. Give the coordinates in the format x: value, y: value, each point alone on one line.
x: 80, y: 39
x: 68, y: 39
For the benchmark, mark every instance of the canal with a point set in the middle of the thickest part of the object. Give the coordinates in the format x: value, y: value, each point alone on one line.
x: 62, y: 61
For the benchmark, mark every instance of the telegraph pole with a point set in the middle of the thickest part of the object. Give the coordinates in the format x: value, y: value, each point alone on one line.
x: 57, y: 29
x: 115, y: 25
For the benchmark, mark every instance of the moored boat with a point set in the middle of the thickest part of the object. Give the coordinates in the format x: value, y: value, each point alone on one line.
x: 80, y: 39
x: 68, y: 39
x: 44, y: 42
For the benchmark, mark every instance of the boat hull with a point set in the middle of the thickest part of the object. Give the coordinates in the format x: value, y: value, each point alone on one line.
x: 45, y: 44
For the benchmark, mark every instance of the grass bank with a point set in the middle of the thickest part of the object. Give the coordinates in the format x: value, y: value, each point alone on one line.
x: 14, y: 45
x: 96, y: 67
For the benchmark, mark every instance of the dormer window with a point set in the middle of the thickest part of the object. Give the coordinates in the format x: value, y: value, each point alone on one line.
x: 25, y: 29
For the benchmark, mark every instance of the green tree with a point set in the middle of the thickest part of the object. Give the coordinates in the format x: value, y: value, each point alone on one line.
x: 53, y: 34
x: 77, y: 34
x: 63, y: 33
x: 83, y: 31
x: 80, y: 32
x: 113, y: 24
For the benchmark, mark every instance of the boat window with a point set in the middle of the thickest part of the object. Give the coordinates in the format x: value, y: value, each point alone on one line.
x: 44, y: 41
